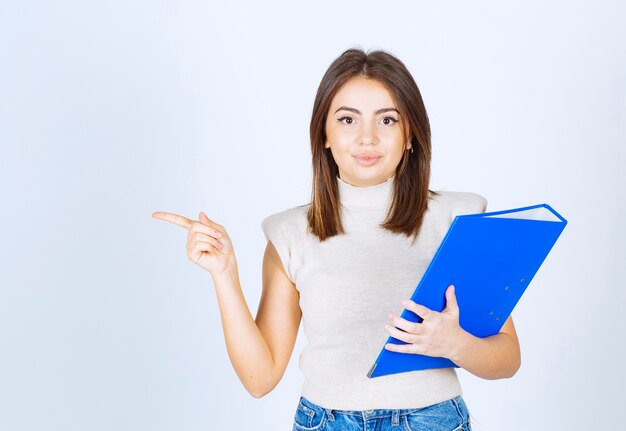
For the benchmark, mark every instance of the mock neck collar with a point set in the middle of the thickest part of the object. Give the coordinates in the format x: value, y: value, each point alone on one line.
x: 377, y: 196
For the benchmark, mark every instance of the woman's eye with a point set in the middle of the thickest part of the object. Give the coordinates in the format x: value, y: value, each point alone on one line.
x: 393, y: 120
x: 351, y: 120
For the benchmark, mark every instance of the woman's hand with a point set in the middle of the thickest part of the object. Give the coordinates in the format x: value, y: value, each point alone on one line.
x: 439, y: 334
x: 208, y: 244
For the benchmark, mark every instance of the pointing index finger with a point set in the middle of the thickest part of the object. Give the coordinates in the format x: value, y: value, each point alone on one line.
x: 173, y: 218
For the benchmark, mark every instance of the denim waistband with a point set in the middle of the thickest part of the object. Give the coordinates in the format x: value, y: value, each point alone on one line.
x: 373, y: 413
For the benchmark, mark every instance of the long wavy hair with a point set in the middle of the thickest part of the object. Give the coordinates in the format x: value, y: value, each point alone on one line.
x: 412, y: 175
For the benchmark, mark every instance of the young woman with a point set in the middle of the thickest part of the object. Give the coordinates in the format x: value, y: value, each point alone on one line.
x: 345, y: 262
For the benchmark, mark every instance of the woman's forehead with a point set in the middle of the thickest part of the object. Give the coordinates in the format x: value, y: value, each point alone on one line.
x: 364, y: 94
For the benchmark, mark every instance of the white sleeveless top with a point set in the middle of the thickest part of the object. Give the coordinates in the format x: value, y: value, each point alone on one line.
x: 350, y: 283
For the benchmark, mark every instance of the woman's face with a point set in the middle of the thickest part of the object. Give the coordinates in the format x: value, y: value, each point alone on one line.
x: 363, y: 121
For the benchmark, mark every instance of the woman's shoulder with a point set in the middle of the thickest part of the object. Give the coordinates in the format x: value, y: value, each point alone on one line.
x: 460, y: 202
x: 288, y: 218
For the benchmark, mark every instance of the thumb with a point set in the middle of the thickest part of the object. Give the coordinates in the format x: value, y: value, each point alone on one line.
x: 208, y: 222
x: 204, y: 219
x: 451, y: 304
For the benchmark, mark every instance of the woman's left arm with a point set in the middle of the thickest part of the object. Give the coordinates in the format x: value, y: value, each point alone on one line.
x: 494, y: 357
x: 439, y: 334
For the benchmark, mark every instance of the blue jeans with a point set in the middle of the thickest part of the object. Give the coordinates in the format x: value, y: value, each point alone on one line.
x: 449, y: 415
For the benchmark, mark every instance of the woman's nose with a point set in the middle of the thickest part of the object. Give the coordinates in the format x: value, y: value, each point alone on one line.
x: 368, y: 133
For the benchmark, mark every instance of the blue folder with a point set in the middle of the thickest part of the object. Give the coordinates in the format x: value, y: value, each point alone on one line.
x: 490, y: 258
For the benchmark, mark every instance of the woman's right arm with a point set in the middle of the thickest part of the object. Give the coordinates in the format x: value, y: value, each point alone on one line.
x: 259, y: 350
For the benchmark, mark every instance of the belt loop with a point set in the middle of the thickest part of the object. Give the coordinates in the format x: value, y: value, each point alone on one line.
x: 395, y: 418
x: 457, y: 405
x: 329, y: 413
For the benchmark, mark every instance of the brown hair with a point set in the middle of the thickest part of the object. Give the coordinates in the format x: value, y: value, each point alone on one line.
x: 411, y: 180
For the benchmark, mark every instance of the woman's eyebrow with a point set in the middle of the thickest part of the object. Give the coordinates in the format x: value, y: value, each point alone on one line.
x: 356, y: 111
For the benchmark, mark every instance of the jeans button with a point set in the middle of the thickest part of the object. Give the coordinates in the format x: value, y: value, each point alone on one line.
x: 369, y: 411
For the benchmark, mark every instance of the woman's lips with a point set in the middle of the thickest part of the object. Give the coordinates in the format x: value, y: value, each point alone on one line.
x: 367, y: 160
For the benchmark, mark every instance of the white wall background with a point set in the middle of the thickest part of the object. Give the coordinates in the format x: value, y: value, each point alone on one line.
x: 112, y: 110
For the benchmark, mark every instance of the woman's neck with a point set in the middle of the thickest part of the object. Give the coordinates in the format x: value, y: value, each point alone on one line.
x: 368, y: 197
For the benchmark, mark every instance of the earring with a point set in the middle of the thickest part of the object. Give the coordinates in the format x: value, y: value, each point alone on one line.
x: 411, y: 149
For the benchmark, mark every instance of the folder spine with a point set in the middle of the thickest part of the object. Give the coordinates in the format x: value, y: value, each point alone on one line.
x: 371, y: 371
